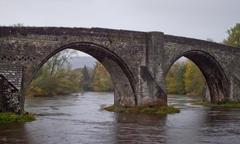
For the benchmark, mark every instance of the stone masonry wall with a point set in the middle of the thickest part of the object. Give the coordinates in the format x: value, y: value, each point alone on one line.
x: 137, y: 61
x: 13, y: 73
x: 9, y: 97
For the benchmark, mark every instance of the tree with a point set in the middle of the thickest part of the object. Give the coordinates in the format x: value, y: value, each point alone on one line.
x: 59, y: 61
x: 86, y: 80
x: 101, y: 79
x: 55, y: 77
x: 171, y: 84
x: 185, y: 78
x: 18, y: 25
x: 233, y: 38
x: 180, y: 79
x: 194, y: 80
x: 175, y: 79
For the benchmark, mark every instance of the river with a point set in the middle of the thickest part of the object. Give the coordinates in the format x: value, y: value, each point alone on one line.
x: 79, y: 119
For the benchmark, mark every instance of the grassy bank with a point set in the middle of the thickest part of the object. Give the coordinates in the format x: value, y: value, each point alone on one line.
x: 157, y: 110
x: 226, y: 104
x: 230, y: 105
x: 12, y: 117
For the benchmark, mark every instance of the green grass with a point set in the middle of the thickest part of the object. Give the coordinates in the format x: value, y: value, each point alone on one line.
x: 225, y: 104
x: 13, y: 118
x: 157, y: 110
x: 228, y: 105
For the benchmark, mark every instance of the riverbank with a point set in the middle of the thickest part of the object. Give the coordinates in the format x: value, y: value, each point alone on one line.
x: 156, y: 110
x: 227, y: 105
x: 14, y: 118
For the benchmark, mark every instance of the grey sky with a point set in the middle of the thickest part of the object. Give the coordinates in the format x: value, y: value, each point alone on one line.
x: 191, y: 18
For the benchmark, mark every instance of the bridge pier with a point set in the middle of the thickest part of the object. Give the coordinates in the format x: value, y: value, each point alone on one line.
x: 151, y: 71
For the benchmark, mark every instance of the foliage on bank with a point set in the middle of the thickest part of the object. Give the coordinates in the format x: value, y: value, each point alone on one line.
x: 185, y: 78
x: 57, y: 78
x: 225, y: 104
x: 156, y: 110
x: 101, y: 79
x: 229, y: 105
x: 13, y: 117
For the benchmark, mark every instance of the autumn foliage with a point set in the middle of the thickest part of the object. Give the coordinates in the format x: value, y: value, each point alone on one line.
x: 185, y: 78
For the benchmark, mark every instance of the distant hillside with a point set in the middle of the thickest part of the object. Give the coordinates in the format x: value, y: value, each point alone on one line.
x: 79, y: 62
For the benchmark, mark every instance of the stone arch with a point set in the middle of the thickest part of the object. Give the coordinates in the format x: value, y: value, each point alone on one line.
x: 216, y: 79
x: 122, y: 77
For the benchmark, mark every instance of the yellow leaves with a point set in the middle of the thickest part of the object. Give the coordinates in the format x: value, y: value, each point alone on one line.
x: 171, y: 84
x: 61, y: 82
x: 35, y: 91
x: 233, y: 38
x: 194, y: 80
x: 185, y: 78
x: 101, y: 79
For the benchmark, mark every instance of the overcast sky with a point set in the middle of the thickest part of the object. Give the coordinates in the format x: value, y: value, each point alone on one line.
x: 200, y: 19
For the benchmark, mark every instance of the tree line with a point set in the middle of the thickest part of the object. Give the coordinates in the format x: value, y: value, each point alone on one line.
x: 185, y: 78
x: 57, y: 78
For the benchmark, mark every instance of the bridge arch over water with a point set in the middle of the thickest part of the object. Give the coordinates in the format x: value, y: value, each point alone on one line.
x: 137, y: 61
x: 216, y: 79
x: 116, y: 67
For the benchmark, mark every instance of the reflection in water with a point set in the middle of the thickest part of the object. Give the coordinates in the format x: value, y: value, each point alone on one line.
x: 12, y: 133
x: 80, y: 119
x: 132, y: 128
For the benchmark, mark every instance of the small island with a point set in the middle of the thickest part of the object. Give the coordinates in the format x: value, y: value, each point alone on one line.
x: 156, y: 110
x: 224, y: 104
x: 7, y: 117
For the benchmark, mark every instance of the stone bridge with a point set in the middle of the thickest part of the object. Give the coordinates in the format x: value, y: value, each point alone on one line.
x: 138, y: 62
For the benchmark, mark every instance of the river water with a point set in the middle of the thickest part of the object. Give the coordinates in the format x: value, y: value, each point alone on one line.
x: 79, y: 119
